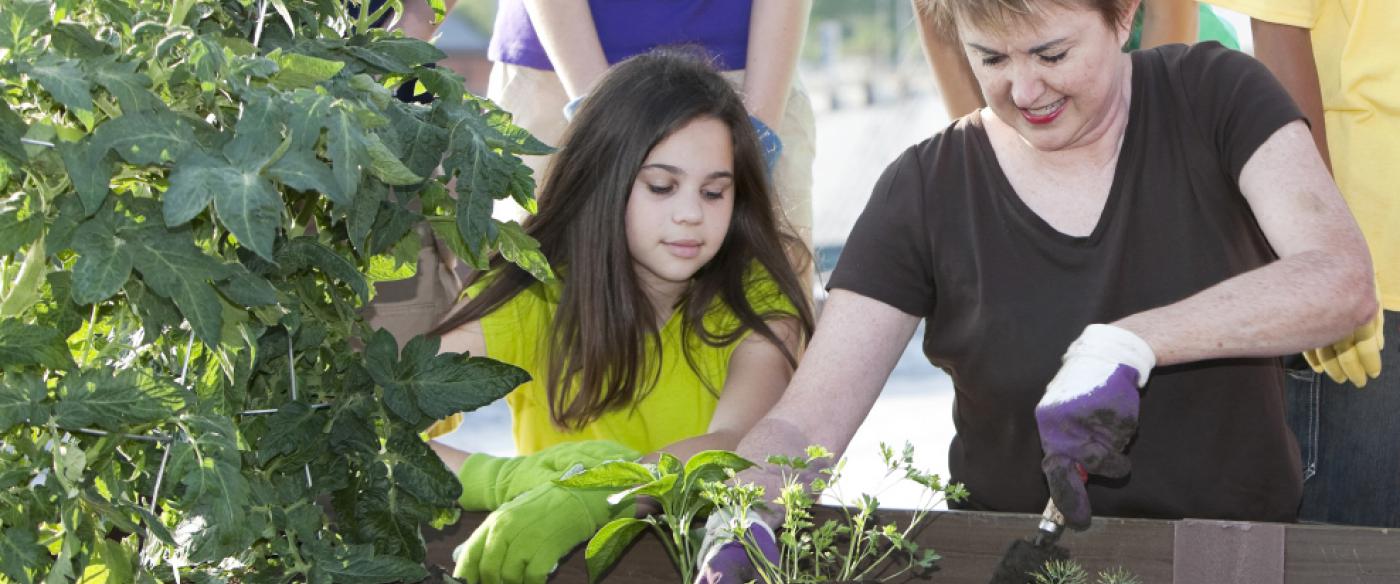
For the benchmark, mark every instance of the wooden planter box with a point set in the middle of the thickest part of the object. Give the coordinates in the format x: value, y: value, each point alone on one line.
x: 1157, y: 551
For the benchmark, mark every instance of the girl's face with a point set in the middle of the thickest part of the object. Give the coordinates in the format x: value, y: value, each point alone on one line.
x: 681, y: 201
x: 1054, y: 83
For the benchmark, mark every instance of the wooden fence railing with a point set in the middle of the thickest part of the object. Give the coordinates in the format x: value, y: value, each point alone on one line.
x: 1157, y: 551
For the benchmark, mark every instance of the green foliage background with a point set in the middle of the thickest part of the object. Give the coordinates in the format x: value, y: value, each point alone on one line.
x: 195, y: 198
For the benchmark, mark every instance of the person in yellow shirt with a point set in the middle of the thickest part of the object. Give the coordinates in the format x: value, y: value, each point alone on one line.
x: 674, y: 321
x: 1336, y: 58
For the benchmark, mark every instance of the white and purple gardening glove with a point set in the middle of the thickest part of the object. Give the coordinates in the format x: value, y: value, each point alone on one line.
x: 723, y: 559
x: 1089, y: 413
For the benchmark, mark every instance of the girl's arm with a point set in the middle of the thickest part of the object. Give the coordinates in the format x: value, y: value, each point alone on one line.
x: 1169, y: 21
x: 776, y: 28
x: 566, y: 30
x: 758, y: 374
x: 1266, y: 312
x: 952, y: 73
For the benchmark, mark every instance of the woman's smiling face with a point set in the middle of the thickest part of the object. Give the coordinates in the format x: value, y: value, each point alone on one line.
x: 1052, y: 78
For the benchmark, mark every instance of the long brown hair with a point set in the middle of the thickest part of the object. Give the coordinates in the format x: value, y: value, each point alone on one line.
x: 604, y: 322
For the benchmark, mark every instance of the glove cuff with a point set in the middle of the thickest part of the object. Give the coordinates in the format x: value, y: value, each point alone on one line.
x: 1108, y: 342
x: 479, y: 477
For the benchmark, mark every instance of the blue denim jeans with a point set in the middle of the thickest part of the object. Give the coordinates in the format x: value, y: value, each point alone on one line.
x: 1349, y: 440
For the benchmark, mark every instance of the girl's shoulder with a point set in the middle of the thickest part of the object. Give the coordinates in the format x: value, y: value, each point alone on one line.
x: 762, y: 294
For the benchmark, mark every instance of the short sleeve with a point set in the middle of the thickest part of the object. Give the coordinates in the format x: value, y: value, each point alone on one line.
x: 887, y: 255
x: 1299, y: 13
x: 1236, y: 101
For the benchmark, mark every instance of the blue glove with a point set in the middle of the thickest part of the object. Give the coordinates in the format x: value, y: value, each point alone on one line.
x: 723, y: 557
x: 769, y: 143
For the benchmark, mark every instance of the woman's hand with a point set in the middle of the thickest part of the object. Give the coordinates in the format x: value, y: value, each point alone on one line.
x: 1089, y: 413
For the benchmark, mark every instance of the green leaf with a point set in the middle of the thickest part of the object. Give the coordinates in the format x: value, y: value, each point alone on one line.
x: 20, y: 551
x: 24, y: 291
x: 74, y: 40
x: 22, y: 401
x: 442, y: 82
x: 418, y: 471
x: 23, y: 346
x: 659, y: 489
x: 248, y: 289
x: 294, y: 426
x: 439, y: 10
x: 616, y: 474
x: 104, y: 262
x: 174, y: 268
x: 520, y: 139
x: 421, y: 386
x: 385, y: 165
x: 307, y: 113
x: 296, y: 70
x: 12, y: 128
x: 358, y: 564
x: 121, y: 80
x: 145, y: 138
x: 249, y: 207
x: 257, y: 134
x: 303, y: 252
x: 407, y: 51
x: 90, y: 170
x: 383, y: 268
x: 63, y: 79
x: 344, y: 143
x: 96, y: 397
x: 364, y: 212
x: 608, y: 544
x: 475, y: 227
x: 218, y: 492
x: 446, y: 230
x: 522, y: 250
x: 197, y: 176
x: 422, y: 143
x: 377, y: 60
x: 301, y: 170
x: 710, y: 466
x: 24, y: 19
x: 14, y: 231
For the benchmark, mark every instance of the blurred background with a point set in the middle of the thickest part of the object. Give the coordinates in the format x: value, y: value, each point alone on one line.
x: 874, y: 96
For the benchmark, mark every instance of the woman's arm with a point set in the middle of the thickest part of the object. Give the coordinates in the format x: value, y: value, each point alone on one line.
x: 1169, y: 21
x: 776, y: 28
x: 951, y: 70
x: 856, y: 345
x: 565, y: 28
x: 758, y: 373
x: 1318, y: 291
x: 1287, y: 52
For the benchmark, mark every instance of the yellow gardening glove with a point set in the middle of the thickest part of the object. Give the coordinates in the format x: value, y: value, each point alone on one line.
x: 1355, y: 358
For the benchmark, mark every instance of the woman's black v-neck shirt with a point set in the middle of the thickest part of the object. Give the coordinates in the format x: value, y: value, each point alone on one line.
x: 944, y: 237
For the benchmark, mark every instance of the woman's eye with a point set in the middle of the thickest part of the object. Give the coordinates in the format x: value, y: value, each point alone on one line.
x: 661, y: 189
x: 1054, y: 58
x: 994, y: 60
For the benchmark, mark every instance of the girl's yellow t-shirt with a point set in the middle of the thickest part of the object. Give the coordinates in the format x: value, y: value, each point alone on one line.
x: 679, y: 406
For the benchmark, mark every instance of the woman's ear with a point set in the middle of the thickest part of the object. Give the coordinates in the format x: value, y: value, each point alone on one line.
x: 1125, y: 22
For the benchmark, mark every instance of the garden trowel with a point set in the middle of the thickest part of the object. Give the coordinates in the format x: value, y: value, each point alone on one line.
x: 1028, y: 556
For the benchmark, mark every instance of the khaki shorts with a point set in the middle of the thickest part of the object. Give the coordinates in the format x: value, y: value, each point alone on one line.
x: 537, y: 98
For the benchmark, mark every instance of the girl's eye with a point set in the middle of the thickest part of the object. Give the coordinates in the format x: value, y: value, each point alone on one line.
x: 713, y: 195
x: 661, y: 189
x: 993, y: 60
x: 1054, y: 58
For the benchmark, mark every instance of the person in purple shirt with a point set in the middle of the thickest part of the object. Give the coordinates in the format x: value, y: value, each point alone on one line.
x: 549, y: 53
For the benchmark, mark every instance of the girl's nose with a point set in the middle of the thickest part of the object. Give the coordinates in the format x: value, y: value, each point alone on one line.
x: 687, y: 209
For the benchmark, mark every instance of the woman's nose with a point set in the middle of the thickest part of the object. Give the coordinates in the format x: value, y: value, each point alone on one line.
x: 1026, y: 86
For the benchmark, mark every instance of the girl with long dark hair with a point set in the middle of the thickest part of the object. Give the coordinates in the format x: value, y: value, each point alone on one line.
x: 674, y: 323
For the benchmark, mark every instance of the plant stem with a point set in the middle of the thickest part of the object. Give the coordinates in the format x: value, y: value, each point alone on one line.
x: 92, y: 322
x: 258, y: 28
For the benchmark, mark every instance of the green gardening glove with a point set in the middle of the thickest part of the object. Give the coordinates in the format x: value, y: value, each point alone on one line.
x: 490, y: 481
x: 523, y: 540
